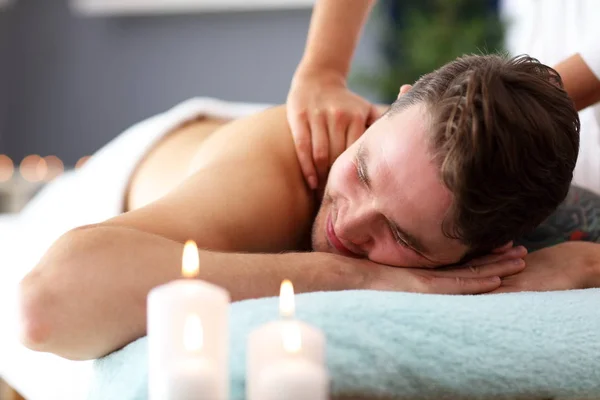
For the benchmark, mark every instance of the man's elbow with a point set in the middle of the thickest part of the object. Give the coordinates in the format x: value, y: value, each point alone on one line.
x: 44, y: 302
x: 34, y: 303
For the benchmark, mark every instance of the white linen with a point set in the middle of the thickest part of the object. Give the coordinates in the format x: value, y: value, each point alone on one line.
x: 88, y: 195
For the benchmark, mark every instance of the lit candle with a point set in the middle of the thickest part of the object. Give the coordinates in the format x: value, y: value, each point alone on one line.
x: 286, y: 358
x: 15, y: 189
x: 188, y: 337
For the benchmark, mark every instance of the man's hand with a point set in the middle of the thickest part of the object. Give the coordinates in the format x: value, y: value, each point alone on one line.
x: 570, y: 265
x: 325, y: 118
x: 482, y: 275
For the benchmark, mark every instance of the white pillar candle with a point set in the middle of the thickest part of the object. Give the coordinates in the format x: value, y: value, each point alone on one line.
x: 192, y: 378
x: 290, y: 344
x: 293, y: 379
x: 188, y: 337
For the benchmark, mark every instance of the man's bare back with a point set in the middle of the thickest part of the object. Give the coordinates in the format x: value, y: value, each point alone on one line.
x: 167, y: 164
x: 261, y: 158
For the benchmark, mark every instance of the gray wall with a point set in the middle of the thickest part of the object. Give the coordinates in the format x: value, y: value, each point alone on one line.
x: 4, y: 29
x: 73, y: 83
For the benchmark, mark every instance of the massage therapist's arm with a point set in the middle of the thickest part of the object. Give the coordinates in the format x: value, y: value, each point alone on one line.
x: 324, y: 115
x: 580, y: 81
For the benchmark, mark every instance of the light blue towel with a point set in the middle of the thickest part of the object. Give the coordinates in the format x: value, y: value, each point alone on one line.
x: 403, y: 345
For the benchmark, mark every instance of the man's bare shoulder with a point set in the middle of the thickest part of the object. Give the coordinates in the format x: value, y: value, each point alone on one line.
x: 245, y: 191
x: 264, y: 136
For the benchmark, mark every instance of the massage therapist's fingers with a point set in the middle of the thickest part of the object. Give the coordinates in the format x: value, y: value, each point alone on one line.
x: 355, y: 130
x: 320, y: 145
x: 514, y: 253
x: 375, y: 113
x: 304, y: 149
x: 338, y: 126
x: 501, y: 268
x: 457, y: 285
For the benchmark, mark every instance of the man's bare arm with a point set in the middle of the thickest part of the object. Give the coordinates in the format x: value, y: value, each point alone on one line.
x: 88, y: 295
x: 246, y: 195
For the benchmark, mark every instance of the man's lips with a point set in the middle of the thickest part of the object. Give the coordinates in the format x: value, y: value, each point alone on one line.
x: 335, y: 241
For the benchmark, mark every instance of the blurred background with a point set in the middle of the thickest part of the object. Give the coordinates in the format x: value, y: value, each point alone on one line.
x: 76, y: 73
x: 70, y: 81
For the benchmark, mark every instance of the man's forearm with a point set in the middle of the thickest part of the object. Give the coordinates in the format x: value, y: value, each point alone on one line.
x: 87, y: 297
x: 333, y: 35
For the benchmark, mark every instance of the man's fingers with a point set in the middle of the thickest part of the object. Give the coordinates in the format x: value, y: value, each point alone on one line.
x: 320, y: 145
x: 301, y: 133
x: 515, y: 252
x: 504, y: 248
x: 500, y: 268
x: 457, y: 285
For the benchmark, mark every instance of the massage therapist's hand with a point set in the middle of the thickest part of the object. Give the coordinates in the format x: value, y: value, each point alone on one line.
x: 482, y: 275
x: 325, y: 118
x: 569, y: 265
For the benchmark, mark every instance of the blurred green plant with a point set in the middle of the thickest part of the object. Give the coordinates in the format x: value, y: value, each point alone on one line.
x: 418, y: 36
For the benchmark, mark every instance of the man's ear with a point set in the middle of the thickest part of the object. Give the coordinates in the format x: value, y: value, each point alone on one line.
x: 404, y: 89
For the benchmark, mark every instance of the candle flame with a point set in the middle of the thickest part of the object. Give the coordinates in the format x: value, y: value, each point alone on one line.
x: 81, y: 162
x: 190, y: 265
x: 31, y: 167
x: 286, y: 299
x: 291, y: 338
x: 7, y: 168
x: 41, y: 170
x: 193, y: 333
x: 55, y: 167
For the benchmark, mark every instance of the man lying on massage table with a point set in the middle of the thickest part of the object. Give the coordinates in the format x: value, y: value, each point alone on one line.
x: 474, y: 156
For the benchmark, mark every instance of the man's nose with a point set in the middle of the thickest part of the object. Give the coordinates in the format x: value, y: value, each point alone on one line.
x: 354, y: 227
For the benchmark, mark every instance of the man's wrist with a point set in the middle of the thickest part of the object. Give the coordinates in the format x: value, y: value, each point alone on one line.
x: 332, y: 272
x: 589, y: 253
x: 594, y: 267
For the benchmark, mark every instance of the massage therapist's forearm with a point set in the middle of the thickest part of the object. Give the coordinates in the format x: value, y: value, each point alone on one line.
x: 333, y: 35
x: 579, y: 81
x: 87, y: 296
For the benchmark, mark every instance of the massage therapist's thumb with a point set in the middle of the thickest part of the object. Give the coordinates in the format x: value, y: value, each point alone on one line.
x: 374, y: 114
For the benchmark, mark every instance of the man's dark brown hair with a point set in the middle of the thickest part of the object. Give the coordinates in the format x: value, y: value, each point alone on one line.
x: 506, y: 137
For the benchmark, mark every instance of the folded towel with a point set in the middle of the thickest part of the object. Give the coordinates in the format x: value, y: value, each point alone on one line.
x: 404, y: 345
x: 88, y: 195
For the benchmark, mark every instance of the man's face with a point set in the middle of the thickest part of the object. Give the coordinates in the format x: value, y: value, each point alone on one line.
x: 384, y: 199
